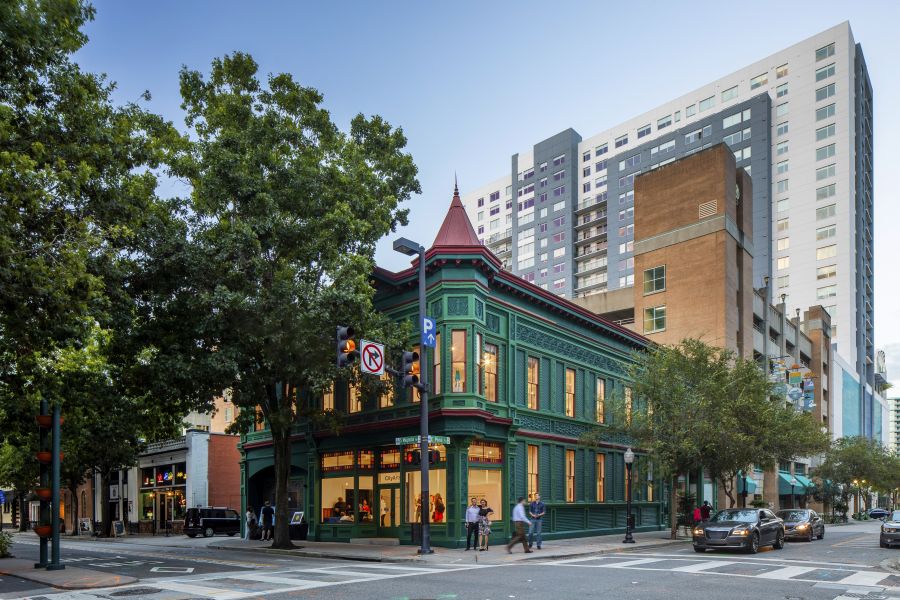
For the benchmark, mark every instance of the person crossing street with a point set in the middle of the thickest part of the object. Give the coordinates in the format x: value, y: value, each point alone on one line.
x: 520, y: 521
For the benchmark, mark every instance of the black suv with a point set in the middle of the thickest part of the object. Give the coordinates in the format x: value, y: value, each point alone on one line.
x: 211, y: 520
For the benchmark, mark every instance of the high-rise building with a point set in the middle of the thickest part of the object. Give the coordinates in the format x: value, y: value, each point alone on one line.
x: 799, y: 122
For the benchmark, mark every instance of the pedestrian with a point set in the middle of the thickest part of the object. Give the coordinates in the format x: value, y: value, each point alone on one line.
x: 520, y: 521
x: 472, y: 524
x: 250, y: 519
x: 484, y: 525
x: 536, y: 510
x: 698, y: 515
x: 267, y: 516
x: 439, y: 508
x: 705, y: 510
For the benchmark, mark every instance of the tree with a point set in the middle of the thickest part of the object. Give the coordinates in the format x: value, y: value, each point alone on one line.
x: 696, y: 406
x: 850, y: 461
x: 285, y: 211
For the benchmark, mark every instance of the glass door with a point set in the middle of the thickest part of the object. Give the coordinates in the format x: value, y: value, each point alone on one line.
x: 388, y: 499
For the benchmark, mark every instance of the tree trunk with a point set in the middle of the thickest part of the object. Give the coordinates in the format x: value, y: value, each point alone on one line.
x: 729, y: 493
x: 75, y: 507
x: 23, y: 510
x: 106, y: 522
x: 281, y: 445
x: 673, y: 508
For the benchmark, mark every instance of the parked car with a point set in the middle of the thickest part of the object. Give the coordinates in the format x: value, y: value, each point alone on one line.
x: 746, y: 528
x: 802, y: 524
x: 890, y: 530
x: 879, y: 513
x: 210, y: 520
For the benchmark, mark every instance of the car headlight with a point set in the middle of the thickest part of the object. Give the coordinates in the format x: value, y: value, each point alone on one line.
x: 740, y: 531
x: 698, y: 532
x: 803, y: 526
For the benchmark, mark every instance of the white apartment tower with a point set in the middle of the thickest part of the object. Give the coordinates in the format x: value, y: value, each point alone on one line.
x: 800, y: 121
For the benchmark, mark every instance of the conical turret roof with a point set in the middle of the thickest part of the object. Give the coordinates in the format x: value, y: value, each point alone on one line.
x: 456, y: 230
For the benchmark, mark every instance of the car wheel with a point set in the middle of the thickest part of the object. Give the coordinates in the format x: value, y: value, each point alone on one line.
x: 192, y: 535
x: 822, y: 533
x: 779, y: 541
x: 811, y: 536
x: 882, y: 544
x: 698, y: 549
x: 208, y: 532
x: 753, y: 544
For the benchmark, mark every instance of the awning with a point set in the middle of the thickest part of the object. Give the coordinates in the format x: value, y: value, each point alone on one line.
x: 784, y: 484
x: 750, y: 483
x: 806, y: 481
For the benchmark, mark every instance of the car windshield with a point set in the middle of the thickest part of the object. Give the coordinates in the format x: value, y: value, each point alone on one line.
x: 895, y: 516
x: 793, y: 515
x: 746, y: 516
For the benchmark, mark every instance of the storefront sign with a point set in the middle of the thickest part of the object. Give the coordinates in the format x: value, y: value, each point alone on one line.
x: 113, y: 492
x: 386, y: 478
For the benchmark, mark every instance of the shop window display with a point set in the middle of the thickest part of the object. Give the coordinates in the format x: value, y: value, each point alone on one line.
x: 487, y: 484
x: 437, y: 491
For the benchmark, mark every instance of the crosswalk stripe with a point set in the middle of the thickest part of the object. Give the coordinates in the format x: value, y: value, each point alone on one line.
x: 863, y: 578
x: 786, y: 572
x: 703, y: 566
x: 632, y: 563
x: 198, y: 590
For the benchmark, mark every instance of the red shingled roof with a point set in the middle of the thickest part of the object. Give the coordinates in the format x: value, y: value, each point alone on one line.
x: 456, y: 230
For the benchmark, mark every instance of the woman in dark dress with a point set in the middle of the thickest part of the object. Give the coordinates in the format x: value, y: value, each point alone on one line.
x: 484, y: 525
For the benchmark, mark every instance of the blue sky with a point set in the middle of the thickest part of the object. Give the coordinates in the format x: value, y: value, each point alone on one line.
x: 471, y: 83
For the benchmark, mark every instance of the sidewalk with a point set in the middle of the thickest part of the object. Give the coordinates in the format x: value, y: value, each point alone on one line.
x: 70, y: 578
x: 552, y: 549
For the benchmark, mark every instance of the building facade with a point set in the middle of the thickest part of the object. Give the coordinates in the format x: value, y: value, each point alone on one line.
x: 799, y: 122
x: 518, y: 375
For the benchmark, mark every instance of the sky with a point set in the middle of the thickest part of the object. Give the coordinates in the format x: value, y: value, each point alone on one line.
x: 472, y: 83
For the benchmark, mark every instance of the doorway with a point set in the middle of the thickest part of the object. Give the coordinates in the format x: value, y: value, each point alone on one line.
x: 388, y: 499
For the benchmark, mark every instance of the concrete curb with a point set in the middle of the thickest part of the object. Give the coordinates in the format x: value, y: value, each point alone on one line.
x: 70, y: 578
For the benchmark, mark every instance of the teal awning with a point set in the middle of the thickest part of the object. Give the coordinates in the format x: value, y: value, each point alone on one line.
x: 750, y: 483
x: 806, y: 481
x: 784, y: 484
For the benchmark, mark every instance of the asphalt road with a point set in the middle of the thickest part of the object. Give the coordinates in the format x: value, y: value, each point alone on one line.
x: 847, y: 561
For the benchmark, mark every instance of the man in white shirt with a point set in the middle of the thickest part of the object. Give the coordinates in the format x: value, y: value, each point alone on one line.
x: 520, y: 521
x: 472, y: 524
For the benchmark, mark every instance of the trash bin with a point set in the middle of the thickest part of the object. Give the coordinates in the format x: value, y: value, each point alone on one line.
x: 299, y: 531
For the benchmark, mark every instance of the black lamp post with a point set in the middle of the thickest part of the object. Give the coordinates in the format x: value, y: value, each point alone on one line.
x: 411, y: 248
x: 629, y: 460
x: 744, y: 491
x: 793, y: 483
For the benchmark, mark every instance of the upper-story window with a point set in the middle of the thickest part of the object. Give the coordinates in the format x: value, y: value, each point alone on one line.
x: 643, y: 130
x: 533, y: 375
x: 824, y: 52
x: 621, y: 140
x: 559, y: 160
x: 458, y: 360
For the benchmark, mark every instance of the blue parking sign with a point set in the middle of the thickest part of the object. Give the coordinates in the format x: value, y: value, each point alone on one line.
x: 428, y: 332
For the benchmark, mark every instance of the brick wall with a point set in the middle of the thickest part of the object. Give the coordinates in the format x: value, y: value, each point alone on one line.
x: 224, y: 471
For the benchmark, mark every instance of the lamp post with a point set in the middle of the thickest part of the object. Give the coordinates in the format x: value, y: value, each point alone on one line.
x: 793, y: 483
x: 744, y: 491
x: 856, y: 485
x: 629, y: 460
x: 411, y: 248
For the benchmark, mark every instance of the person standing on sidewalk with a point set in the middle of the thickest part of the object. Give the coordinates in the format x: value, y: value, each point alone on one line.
x: 267, y: 517
x: 520, y: 521
x: 705, y: 510
x: 536, y: 510
x: 250, y: 522
x: 472, y: 524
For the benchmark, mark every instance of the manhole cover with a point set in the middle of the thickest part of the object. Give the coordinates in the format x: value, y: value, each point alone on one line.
x: 138, y: 591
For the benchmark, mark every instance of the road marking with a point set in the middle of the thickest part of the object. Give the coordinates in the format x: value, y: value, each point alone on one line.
x: 870, y: 578
x: 195, y: 590
x: 703, y: 566
x: 786, y: 572
x: 632, y: 563
x: 183, y: 570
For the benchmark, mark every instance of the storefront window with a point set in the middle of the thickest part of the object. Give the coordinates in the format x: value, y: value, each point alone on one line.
x: 366, y: 459
x: 486, y: 452
x: 487, y: 484
x: 337, y: 500
x: 147, y: 477
x: 489, y: 359
x: 180, y: 474
x: 337, y: 461
x: 437, y: 491
x: 147, y: 505
x: 436, y: 377
x: 365, y: 500
x: 458, y: 360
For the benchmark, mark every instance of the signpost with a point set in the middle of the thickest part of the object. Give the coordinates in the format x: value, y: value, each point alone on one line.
x: 416, y: 439
x: 428, y: 331
x: 371, y: 357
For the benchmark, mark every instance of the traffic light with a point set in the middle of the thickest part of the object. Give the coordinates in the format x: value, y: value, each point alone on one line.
x: 410, y: 368
x: 412, y: 458
x: 346, y: 347
x: 434, y: 457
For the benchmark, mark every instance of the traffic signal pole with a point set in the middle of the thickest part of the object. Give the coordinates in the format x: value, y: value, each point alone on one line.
x: 423, y: 401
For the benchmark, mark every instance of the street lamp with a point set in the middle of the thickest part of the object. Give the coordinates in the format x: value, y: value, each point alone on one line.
x: 856, y: 485
x: 793, y: 483
x: 629, y: 460
x: 411, y: 248
x: 744, y: 492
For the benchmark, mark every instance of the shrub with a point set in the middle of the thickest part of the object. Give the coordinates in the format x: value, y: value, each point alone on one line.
x: 5, y: 544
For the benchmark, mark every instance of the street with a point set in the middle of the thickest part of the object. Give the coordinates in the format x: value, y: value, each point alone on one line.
x: 847, y: 561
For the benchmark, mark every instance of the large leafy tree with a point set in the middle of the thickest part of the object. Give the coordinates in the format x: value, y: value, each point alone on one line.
x: 79, y: 224
x: 285, y: 211
x: 696, y: 406
x: 860, y: 463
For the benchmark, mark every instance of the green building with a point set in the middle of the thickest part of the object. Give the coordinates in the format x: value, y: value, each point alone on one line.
x: 518, y: 374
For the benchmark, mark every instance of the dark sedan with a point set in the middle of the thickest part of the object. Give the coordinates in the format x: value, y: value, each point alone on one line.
x: 878, y: 513
x: 746, y: 528
x: 890, y: 530
x: 802, y: 524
